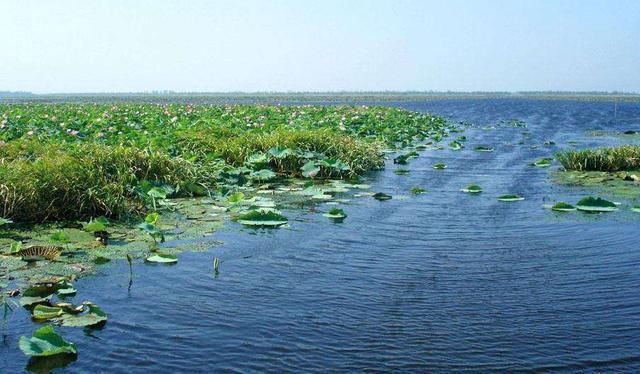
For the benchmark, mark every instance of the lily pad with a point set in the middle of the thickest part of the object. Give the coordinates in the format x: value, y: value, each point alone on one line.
x: 455, y: 145
x: 596, y: 204
x: 162, y: 258
x: 336, y: 214
x: 401, y: 171
x: 511, y: 197
x: 472, y: 188
x: 262, y: 218
x: 381, y: 196
x: 93, y: 317
x: 417, y: 190
x: 46, y: 342
x: 563, y: 207
x: 439, y: 166
x: 43, y: 312
x: 636, y: 208
x: 543, y: 163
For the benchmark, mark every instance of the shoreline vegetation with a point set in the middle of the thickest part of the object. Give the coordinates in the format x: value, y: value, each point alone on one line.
x: 83, y: 184
x: 77, y: 161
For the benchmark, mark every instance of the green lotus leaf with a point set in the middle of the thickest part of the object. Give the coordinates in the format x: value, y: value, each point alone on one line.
x: 381, y: 196
x: 636, y: 208
x: 310, y: 169
x: 162, y: 258
x: 46, y: 342
x: 336, y: 214
x: 595, y: 204
x: 563, y: 207
x: 401, y: 171
x: 278, y: 152
x: 472, y: 188
x: 65, y: 292
x: 417, y: 190
x: 235, y: 197
x: 543, y: 163
x: 43, y: 312
x: 262, y: 175
x: 511, y: 197
x: 455, y: 145
x: 439, y: 166
x: 93, y: 317
x: 262, y: 218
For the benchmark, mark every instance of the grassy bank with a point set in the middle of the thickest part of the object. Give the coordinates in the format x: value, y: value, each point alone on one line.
x: 76, y: 161
x: 623, y: 158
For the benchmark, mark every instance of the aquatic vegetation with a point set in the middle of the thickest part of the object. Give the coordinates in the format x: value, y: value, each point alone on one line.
x: 595, y: 204
x: 636, y: 208
x: 162, y: 258
x: 46, y: 342
x: 483, y: 148
x: 401, y: 171
x: 381, y: 196
x: 543, y: 163
x: 405, y: 158
x: 455, y: 145
x: 510, y: 197
x: 623, y: 158
x: 472, y: 188
x: 563, y: 207
x: 262, y: 218
x: 417, y: 190
x: 439, y: 166
x: 336, y: 214
x: 38, y: 252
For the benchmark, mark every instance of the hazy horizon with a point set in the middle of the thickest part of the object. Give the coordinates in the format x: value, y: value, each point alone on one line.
x: 282, y: 46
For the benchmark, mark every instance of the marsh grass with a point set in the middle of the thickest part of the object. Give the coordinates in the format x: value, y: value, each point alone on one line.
x: 77, y: 161
x: 40, y: 182
x: 626, y: 157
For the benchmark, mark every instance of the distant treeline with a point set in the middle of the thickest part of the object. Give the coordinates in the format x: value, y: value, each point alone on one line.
x: 343, y: 97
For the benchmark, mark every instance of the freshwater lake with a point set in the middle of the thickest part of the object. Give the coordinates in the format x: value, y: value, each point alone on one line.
x: 443, y: 281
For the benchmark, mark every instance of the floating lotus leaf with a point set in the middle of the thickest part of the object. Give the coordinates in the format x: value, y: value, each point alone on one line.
x: 439, y: 166
x: 43, y: 312
x: 93, y: 317
x: 235, y: 198
x: 162, y: 258
x: 510, y: 198
x: 336, y: 214
x: 381, y: 196
x: 543, y: 163
x: 596, y: 204
x: 262, y: 218
x: 65, y: 292
x: 401, y: 171
x: 46, y: 342
x: 563, y: 207
x: 417, y: 190
x: 483, y: 148
x: 636, y: 208
x: 455, y: 145
x: 472, y: 188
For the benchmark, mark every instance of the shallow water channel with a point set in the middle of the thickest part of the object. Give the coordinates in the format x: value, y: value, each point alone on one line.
x: 440, y: 281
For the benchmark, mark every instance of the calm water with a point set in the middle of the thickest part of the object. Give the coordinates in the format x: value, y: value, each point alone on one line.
x: 444, y: 281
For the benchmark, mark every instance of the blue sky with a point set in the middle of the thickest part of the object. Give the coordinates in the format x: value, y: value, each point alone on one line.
x: 319, y: 45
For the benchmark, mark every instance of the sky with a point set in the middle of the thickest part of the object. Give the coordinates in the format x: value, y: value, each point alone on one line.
x: 319, y: 45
